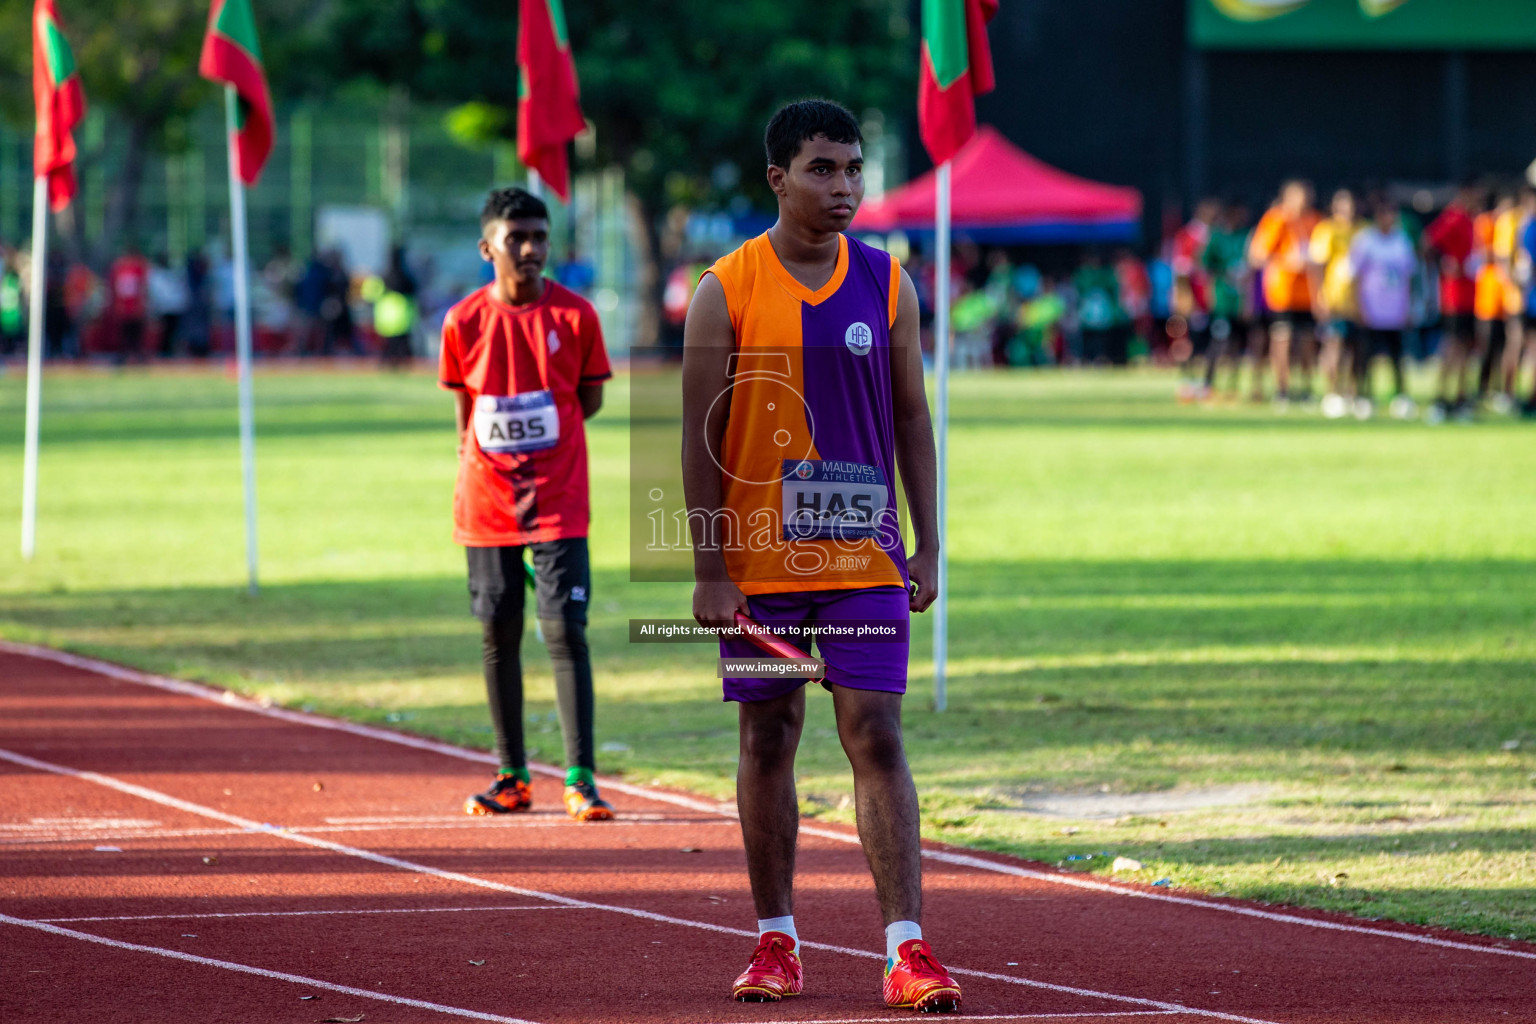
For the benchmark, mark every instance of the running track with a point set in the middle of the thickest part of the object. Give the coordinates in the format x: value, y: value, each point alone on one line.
x: 170, y: 852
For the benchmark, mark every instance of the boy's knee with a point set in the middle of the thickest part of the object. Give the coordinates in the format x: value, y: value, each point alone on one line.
x: 874, y: 744
x: 564, y: 637
x: 768, y: 742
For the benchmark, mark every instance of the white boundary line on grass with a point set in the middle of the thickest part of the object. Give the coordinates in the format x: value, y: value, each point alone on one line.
x: 234, y: 700
x: 260, y: 972
x: 166, y: 800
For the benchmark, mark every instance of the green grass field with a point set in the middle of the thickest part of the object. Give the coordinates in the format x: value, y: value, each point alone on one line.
x: 1272, y: 657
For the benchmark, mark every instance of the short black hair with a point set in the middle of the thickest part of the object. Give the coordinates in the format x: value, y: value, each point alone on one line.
x: 512, y: 204
x: 804, y: 120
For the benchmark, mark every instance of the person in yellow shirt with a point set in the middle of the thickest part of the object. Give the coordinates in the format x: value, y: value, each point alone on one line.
x: 1279, y: 248
x: 1500, y: 298
x: 1336, y: 308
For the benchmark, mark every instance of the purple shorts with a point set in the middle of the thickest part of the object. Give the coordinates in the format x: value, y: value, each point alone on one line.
x: 872, y: 662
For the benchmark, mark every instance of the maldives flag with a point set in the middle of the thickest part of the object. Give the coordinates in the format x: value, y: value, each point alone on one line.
x: 957, y: 67
x: 548, y: 111
x: 60, y: 104
x: 232, y: 56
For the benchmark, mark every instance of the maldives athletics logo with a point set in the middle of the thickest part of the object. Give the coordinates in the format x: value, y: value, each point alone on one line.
x: 804, y: 471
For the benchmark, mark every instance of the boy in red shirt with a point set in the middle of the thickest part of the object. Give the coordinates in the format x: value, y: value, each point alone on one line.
x: 1452, y: 236
x: 129, y: 281
x: 526, y: 358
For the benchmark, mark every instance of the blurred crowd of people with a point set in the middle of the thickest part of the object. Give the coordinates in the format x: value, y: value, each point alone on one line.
x: 140, y: 309
x: 136, y: 309
x: 1102, y: 308
x: 1295, y: 307
x: 1300, y: 304
x: 1315, y: 298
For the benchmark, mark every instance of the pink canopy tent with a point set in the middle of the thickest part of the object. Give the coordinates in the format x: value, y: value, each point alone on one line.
x: 1002, y: 194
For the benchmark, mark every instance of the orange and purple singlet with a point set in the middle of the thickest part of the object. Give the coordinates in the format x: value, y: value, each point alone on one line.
x: 808, y: 460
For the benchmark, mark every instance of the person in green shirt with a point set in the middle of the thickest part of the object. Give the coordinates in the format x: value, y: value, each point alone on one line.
x: 12, y: 316
x: 394, y: 310
x: 1039, y: 321
x: 1226, y: 263
x: 1098, y: 306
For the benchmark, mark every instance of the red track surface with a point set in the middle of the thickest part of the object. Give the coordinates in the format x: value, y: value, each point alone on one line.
x: 169, y: 857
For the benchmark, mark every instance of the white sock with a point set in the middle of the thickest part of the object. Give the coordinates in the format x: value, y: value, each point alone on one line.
x: 783, y: 925
x: 898, y: 932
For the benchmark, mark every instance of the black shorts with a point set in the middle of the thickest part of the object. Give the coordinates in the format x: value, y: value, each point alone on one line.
x: 1491, y: 335
x: 562, y: 580
x: 1456, y: 325
x: 1382, y: 339
x: 1298, y: 320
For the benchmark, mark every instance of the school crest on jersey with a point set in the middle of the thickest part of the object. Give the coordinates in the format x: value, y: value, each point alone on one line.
x: 859, y: 338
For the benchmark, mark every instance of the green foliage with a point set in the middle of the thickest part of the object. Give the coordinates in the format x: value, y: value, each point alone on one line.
x: 480, y: 124
x: 140, y: 59
x: 675, y: 88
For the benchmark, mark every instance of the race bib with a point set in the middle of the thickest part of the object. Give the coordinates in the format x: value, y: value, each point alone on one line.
x: 517, y: 423
x: 826, y: 500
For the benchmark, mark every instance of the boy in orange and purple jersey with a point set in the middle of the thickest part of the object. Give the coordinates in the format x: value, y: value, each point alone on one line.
x: 802, y: 395
x: 526, y: 359
x: 1279, y: 250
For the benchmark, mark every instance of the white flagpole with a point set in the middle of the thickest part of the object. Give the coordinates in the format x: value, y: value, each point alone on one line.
x: 35, y: 365
x: 536, y: 189
x: 242, y: 333
x: 941, y: 389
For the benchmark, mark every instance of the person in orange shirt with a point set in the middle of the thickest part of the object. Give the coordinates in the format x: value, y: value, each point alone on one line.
x: 1498, y: 303
x: 802, y: 401
x: 1279, y: 249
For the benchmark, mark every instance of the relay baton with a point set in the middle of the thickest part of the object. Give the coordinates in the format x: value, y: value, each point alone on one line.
x: 767, y: 641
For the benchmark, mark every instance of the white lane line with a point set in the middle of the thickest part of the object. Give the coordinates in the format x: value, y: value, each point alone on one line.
x: 977, y: 1016
x: 290, y: 913
x: 260, y: 972
x: 234, y: 700
x: 29, y: 839
x: 74, y: 824
x: 166, y: 800
x: 520, y: 820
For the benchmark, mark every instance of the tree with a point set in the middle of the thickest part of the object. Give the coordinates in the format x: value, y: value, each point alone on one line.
x: 138, y: 61
x: 678, y: 91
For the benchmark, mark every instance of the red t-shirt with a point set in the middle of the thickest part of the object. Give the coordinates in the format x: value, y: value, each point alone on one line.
x: 129, y: 281
x: 1452, y: 236
x: 508, y: 497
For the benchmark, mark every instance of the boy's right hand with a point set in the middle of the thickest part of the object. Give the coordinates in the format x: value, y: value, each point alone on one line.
x: 715, y: 604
